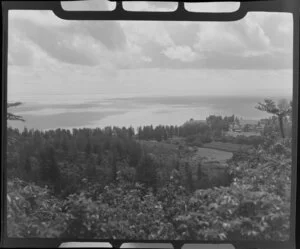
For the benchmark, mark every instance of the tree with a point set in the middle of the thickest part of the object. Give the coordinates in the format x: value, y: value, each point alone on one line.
x: 113, y: 164
x: 281, y: 110
x: 140, y: 133
x: 27, y: 173
x: 27, y: 165
x: 11, y: 116
x: 165, y: 134
x: 216, y: 124
x: 246, y: 128
x: 88, y: 149
x: 49, y: 168
x: 99, y: 157
x: 189, y: 177
x: 227, y: 121
x: 64, y: 145
x: 130, y: 132
x: 134, y: 154
x: 200, y: 173
x: 54, y: 172
x: 146, y: 171
x: 237, y: 121
x: 91, y: 172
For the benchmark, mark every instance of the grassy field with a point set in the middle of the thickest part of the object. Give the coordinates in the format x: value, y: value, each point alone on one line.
x: 229, y: 147
x: 160, y: 148
x: 212, y: 154
x: 243, y: 133
x: 218, y: 150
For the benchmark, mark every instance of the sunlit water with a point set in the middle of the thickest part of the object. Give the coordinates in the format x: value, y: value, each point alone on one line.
x: 132, y: 111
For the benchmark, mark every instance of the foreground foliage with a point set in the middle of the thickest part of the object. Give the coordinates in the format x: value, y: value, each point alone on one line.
x: 108, y: 184
x: 32, y: 211
x: 254, y: 206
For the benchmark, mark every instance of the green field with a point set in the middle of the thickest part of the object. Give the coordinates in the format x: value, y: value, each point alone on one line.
x: 159, y: 148
x: 243, y: 133
x: 212, y: 154
x: 229, y: 147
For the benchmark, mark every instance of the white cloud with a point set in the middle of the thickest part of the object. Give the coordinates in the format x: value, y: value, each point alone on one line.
x: 37, y: 36
x: 44, y: 18
x: 150, y: 6
x: 217, y: 37
x: 238, y: 37
x: 75, y: 43
x: 24, y: 52
x: 212, y: 7
x: 146, y: 59
x: 182, y: 53
x: 90, y: 5
x: 143, y: 32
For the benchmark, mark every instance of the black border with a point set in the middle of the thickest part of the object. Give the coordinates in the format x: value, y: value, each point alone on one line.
x: 289, y: 6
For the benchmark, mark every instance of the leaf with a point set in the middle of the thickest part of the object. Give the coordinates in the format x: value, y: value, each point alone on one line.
x: 222, y: 236
x: 8, y: 198
x: 213, y: 206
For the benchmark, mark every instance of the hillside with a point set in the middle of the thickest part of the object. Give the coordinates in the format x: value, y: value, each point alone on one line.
x: 186, y: 182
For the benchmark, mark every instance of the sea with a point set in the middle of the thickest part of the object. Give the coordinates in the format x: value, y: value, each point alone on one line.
x: 96, y: 110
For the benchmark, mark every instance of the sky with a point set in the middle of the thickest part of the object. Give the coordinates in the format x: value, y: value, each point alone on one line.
x: 54, y: 61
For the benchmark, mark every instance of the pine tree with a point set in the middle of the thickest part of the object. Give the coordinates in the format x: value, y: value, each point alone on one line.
x: 64, y: 145
x: 91, y: 172
x: 27, y: 166
x: 146, y: 171
x: 130, y: 132
x: 189, y: 177
x: 281, y: 110
x: 99, y: 158
x: 200, y: 173
x: 54, y: 171
x: 50, y: 171
x: 113, y: 164
x: 11, y: 116
x: 88, y: 149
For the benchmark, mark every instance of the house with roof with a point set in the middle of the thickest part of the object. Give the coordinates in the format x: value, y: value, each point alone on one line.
x: 235, y: 127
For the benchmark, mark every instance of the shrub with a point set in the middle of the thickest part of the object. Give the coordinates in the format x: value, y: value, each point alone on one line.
x: 32, y: 211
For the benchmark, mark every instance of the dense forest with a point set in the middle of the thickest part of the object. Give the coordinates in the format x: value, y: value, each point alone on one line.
x: 121, y: 183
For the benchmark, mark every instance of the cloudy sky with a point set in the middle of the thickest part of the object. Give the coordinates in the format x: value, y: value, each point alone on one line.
x: 49, y: 56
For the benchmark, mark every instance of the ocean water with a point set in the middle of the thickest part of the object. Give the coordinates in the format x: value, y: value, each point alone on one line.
x: 100, y: 111
x: 89, y: 97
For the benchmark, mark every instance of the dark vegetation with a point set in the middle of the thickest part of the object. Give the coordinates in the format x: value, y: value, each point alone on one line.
x: 113, y: 183
x: 281, y: 111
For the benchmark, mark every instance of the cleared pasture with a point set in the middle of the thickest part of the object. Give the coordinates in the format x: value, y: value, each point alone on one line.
x: 226, y: 147
x: 243, y: 133
x: 212, y: 154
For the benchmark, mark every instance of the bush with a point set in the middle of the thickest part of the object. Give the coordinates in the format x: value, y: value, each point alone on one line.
x: 255, y: 206
x: 120, y: 212
x: 33, y: 212
x: 197, y: 140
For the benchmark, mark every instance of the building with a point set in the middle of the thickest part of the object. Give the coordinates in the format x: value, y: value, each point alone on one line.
x: 235, y: 127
